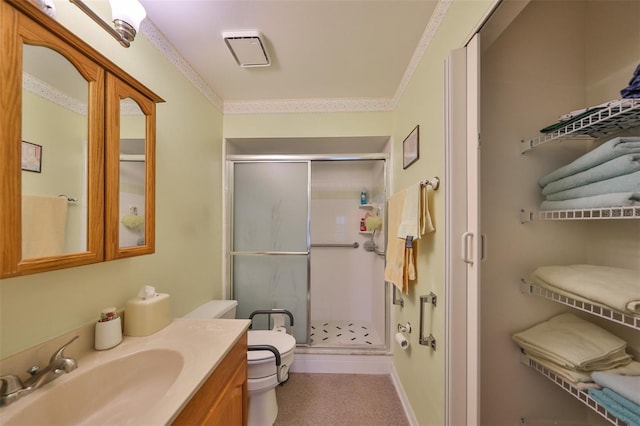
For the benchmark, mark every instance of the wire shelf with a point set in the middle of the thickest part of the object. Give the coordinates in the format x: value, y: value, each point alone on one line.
x: 631, y: 212
x: 621, y: 115
x: 581, y: 395
x: 597, y: 310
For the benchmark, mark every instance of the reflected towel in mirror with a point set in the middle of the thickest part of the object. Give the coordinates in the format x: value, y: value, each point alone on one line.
x: 44, y: 225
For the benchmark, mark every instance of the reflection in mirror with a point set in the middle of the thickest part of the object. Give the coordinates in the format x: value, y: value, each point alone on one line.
x: 54, y: 133
x: 132, y: 174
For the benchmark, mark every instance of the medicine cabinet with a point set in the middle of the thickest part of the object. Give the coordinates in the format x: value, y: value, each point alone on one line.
x: 61, y: 121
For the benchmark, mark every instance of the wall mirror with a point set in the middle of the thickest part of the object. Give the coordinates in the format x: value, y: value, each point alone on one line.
x: 130, y: 171
x: 51, y: 199
x: 54, y: 178
x: 56, y: 104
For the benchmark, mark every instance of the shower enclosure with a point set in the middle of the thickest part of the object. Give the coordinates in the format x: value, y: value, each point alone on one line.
x: 298, y: 241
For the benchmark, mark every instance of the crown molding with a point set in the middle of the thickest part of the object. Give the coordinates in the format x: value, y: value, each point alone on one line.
x: 283, y: 106
x: 45, y: 90
x: 427, y: 37
x: 151, y: 32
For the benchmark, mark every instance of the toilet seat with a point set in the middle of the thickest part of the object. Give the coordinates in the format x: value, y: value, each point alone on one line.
x: 262, y: 363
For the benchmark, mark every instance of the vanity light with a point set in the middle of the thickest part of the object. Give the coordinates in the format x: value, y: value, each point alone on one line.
x: 127, y: 16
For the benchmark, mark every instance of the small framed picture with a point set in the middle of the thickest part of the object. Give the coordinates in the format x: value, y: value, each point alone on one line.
x: 411, y: 148
x: 31, y: 157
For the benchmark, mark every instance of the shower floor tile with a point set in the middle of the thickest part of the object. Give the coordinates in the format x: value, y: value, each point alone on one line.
x: 343, y: 333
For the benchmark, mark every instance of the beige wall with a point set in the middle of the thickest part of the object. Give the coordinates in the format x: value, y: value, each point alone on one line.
x: 187, y: 261
x: 421, y: 370
x: 322, y: 124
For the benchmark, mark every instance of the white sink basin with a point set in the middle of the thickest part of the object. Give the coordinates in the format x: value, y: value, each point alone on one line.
x: 120, y: 391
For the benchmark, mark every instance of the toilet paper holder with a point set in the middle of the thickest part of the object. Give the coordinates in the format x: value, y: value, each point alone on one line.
x: 404, y: 328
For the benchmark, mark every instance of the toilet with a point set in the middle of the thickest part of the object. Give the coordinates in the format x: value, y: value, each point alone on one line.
x: 261, y: 369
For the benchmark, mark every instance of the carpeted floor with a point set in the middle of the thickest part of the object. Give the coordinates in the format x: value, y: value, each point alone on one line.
x: 339, y: 399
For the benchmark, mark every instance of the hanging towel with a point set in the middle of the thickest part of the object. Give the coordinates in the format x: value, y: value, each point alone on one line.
x: 44, y: 223
x: 416, y: 218
x: 394, y: 269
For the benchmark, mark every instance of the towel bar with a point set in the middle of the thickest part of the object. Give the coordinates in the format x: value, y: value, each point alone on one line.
x: 434, y: 183
x: 69, y: 199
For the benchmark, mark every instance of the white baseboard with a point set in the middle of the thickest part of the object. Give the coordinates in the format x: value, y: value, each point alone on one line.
x: 342, y: 364
x: 403, y: 397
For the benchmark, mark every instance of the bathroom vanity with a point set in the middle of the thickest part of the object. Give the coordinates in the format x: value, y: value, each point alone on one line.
x: 191, y: 372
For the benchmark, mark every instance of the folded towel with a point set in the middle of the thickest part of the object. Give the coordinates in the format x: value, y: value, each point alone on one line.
x: 622, y: 165
x: 616, y: 199
x: 395, y: 267
x: 625, y: 183
x: 629, y: 405
x: 572, y: 114
x: 607, y: 151
x: 633, y: 89
x: 626, y: 385
x: 416, y: 218
x: 575, y: 116
x: 574, y: 343
x: 616, y: 288
x: 578, y: 379
x: 614, y: 407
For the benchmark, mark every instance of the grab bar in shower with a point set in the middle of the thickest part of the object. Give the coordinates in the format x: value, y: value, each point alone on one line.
x: 352, y: 245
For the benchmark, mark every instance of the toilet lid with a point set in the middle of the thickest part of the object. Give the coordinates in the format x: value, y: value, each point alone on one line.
x: 283, y: 342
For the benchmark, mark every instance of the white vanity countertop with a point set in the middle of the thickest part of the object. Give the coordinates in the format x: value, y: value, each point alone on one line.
x: 202, y: 343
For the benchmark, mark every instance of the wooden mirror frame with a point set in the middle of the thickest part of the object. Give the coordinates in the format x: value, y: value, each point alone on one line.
x: 18, y: 30
x: 22, y: 22
x: 116, y: 91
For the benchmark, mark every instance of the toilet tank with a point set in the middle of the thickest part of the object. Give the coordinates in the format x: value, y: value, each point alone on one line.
x: 215, y: 309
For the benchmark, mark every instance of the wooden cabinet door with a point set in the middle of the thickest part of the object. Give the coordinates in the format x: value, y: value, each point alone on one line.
x: 222, y: 399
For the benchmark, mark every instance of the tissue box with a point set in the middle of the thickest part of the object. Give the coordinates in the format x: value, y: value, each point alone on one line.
x: 143, y: 317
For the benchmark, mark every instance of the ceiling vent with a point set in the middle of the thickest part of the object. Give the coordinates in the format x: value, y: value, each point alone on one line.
x: 247, y: 47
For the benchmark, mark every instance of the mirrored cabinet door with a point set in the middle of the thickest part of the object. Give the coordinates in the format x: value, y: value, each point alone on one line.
x: 52, y: 145
x: 130, y: 163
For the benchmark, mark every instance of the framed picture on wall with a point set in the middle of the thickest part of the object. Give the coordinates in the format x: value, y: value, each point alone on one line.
x: 31, y: 157
x: 411, y: 148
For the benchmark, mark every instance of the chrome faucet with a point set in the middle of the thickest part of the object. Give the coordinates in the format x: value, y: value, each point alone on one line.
x: 12, y: 388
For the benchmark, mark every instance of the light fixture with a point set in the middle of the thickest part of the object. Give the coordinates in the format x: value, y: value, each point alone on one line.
x: 247, y: 47
x: 127, y: 16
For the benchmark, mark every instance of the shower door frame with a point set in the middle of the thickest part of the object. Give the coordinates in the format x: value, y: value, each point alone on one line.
x: 231, y: 160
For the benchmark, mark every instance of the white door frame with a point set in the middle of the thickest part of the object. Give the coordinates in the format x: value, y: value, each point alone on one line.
x: 463, y: 242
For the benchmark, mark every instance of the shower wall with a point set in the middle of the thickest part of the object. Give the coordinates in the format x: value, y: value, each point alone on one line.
x: 347, y: 284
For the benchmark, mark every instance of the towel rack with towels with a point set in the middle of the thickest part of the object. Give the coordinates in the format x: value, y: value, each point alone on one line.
x: 352, y: 245
x: 69, y: 199
x: 433, y: 182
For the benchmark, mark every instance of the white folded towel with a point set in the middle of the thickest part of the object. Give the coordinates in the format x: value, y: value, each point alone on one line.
x: 572, y: 342
x: 616, y: 288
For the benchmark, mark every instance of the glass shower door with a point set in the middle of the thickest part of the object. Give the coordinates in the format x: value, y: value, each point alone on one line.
x: 270, y: 240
